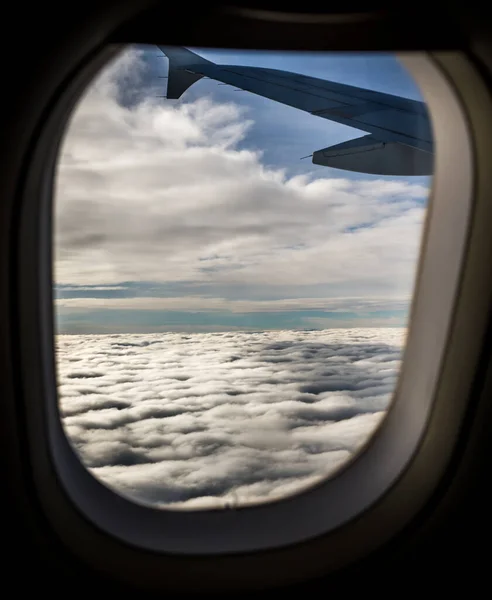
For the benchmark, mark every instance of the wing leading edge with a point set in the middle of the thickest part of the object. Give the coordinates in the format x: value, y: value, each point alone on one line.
x: 399, y: 140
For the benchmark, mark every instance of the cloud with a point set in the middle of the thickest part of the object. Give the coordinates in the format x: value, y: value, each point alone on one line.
x: 203, y: 303
x: 166, y: 192
x: 201, y: 420
x: 92, y: 288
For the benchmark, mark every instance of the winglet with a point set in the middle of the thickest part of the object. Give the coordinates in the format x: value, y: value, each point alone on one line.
x: 181, y: 74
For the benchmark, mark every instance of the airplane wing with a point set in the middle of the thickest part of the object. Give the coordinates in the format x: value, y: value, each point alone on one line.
x: 399, y: 136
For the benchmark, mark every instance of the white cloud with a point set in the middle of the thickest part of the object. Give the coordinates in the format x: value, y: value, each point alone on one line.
x: 193, y: 303
x: 165, y: 192
x: 199, y: 420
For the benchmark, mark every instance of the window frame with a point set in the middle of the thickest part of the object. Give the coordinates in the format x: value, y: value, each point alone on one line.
x: 81, y: 508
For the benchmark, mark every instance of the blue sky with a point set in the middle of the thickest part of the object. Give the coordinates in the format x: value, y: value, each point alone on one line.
x: 231, y: 267
x: 285, y: 134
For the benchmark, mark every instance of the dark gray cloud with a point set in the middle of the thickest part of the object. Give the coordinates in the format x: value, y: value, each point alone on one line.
x: 197, y: 420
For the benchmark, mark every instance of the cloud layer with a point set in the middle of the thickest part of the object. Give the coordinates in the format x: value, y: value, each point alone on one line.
x: 172, y: 193
x: 212, y: 420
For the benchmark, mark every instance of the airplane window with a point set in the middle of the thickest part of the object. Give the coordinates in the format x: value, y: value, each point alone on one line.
x: 236, y: 239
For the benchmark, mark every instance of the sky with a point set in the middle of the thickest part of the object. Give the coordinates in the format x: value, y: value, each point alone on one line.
x: 266, y: 297
x: 198, y: 214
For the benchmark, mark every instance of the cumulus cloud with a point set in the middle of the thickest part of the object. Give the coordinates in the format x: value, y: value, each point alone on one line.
x: 219, y: 419
x: 169, y: 192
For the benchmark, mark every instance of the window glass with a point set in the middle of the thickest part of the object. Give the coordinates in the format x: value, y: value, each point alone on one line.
x: 236, y: 241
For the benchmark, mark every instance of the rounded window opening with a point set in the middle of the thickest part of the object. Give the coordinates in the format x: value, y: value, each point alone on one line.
x: 236, y: 239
